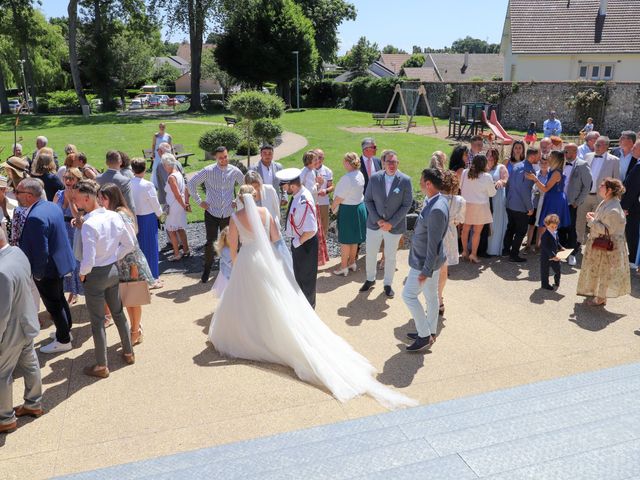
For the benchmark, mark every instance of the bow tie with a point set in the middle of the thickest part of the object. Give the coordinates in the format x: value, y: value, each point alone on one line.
x: 569, y: 164
x: 599, y: 156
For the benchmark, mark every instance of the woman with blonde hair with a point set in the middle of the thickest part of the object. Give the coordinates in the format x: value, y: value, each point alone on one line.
x: 348, y: 204
x: 69, y: 161
x: 438, y: 160
x: 176, y: 221
x: 266, y: 196
x: 605, y: 273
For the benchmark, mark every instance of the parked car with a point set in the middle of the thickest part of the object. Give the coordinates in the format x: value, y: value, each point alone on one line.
x: 14, y: 105
x: 144, y: 98
x: 136, y: 104
x: 172, y: 102
x: 181, y: 98
x: 154, y: 101
x: 163, y: 98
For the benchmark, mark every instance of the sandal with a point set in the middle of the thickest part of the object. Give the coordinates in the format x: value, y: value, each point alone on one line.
x: 594, y: 303
x: 138, y: 339
x: 157, y: 284
x: 186, y: 254
x: 96, y: 371
x: 473, y: 259
x: 175, y: 258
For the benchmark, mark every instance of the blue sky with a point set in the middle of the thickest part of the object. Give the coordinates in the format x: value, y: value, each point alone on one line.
x: 402, y: 23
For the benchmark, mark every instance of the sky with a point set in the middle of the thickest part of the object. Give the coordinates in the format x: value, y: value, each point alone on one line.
x: 402, y: 23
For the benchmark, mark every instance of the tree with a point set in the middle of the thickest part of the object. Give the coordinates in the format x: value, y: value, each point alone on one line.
x: 392, y: 49
x: 131, y: 61
x: 72, y: 37
x: 474, y: 45
x: 192, y: 14
x: 259, y: 38
x: 416, y: 49
x: 165, y: 77
x: 361, y: 56
x: 326, y: 16
x: 211, y: 70
x: 414, y: 61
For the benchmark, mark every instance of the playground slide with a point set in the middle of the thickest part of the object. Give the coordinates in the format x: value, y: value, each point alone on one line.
x: 496, y: 128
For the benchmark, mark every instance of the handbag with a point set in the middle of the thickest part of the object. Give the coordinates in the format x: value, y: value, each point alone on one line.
x: 603, y: 242
x: 135, y: 294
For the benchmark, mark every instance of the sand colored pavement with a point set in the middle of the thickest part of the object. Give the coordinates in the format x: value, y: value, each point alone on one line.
x: 499, y: 330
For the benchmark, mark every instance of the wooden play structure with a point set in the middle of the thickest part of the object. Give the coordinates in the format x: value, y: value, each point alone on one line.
x: 394, y: 118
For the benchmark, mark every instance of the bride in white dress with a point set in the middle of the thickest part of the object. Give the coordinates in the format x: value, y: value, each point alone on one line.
x: 264, y: 316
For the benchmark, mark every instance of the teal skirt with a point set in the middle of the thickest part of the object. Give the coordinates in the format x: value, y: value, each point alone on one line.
x: 352, y: 224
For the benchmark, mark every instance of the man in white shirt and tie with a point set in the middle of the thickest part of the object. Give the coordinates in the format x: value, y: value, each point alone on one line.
x: 369, y: 163
x: 602, y: 165
x: 105, y: 240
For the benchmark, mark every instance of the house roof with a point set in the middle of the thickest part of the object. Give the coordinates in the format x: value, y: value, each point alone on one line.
x: 423, y: 74
x: 394, y: 61
x: 574, y: 26
x: 479, y: 65
x: 184, y: 50
x: 376, y: 70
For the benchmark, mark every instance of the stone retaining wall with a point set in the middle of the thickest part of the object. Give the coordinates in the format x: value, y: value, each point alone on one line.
x: 523, y: 102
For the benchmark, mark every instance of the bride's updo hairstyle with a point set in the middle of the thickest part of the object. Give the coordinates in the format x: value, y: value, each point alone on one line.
x: 246, y: 190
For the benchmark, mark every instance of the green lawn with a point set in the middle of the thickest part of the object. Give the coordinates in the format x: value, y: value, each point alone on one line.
x: 321, y: 127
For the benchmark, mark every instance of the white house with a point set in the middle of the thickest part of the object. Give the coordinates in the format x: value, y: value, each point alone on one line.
x: 569, y: 40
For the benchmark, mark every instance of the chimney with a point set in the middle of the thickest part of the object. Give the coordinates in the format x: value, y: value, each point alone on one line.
x: 603, y: 8
x: 465, y: 65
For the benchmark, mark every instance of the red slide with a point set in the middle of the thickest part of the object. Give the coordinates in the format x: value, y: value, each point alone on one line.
x: 496, y: 128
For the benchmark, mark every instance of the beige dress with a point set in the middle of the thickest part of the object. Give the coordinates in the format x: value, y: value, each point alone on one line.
x: 606, y: 274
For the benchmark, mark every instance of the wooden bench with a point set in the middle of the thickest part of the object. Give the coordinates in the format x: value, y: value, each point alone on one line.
x: 391, y: 119
x: 147, y: 154
x: 178, y: 151
x: 231, y: 121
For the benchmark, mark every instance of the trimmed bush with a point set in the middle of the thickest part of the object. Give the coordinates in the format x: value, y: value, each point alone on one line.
x: 219, y: 136
x: 252, y: 105
x: 266, y: 130
x: 372, y: 94
x: 247, y: 148
x: 325, y: 94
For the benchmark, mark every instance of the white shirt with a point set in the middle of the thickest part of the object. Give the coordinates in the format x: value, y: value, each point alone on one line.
x: 477, y: 190
x: 583, y: 150
x: 145, y: 197
x: 267, y: 174
x: 105, y: 239
x: 326, y: 173
x: 308, y: 179
x: 625, y: 161
x: 596, y: 166
x: 350, y: 188
x: 388, y: 181
x: 302, y: 216
x: 567, y: 175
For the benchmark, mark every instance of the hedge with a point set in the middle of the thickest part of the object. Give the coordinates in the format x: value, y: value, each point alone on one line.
x: 325, y: 94
x: 372, y: 94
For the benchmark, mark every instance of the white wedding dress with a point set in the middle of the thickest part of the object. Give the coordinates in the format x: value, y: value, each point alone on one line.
x: 264, y: 316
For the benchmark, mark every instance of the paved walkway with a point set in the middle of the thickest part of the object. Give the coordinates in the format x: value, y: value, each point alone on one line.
x: 578, y: 427
x: 499, y: 331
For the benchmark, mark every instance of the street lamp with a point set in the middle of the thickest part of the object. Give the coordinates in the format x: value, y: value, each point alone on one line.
x: 295, y: 52
x: 24, y: 83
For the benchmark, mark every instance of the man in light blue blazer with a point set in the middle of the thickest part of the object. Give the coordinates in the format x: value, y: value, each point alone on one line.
x: 425, y: 259
x: 388, y: 198
x: 18, y: 327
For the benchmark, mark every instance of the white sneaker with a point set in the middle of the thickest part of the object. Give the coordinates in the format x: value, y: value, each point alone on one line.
x: 52, y: 335
x: 571, y: 260
x: 56, y: 347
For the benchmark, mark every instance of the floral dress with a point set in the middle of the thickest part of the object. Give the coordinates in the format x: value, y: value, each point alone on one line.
x: 134, y: 258
x: 457, y: 208
x: 71, y: 282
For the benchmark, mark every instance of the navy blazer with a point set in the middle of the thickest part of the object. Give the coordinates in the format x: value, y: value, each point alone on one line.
x: 548, y: 246
x: 363, y: 169
x: 392, y: 208
x: 45, y: 242
x: 630, y: 201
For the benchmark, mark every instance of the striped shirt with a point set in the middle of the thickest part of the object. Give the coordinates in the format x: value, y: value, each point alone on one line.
x: 220, y: 185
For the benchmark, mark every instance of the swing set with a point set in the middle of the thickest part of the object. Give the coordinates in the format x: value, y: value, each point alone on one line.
x: 401, y: 92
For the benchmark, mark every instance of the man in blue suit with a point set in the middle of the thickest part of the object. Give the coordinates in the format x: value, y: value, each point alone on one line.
x: 425, y: 259
x: 369, y: 163
x: 45, y: 242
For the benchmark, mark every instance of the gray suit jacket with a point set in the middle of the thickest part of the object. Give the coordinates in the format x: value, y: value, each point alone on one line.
x: 274, y: 167
x: 579, y: 182
x: 610, y: 167
x: 392, y: 208
x: 122, y: 182
x: 427, y: 251
x: 18, y: 316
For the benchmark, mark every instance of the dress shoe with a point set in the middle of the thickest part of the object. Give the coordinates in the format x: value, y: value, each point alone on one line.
x: 96, y: 371
x: 412, y: 335
x: 52, y: 336
x: 56, y: 347
x: 388, y: 291
x: 23, y: 411
x: 129, y: 359
x: 517, y: 259
x: 205, y: 275
x: 547, y: 287
x: 571, y: 260
x: 421, y: 343
x: 367, y: 285
x: 9, y: 427
x: 353, y: 266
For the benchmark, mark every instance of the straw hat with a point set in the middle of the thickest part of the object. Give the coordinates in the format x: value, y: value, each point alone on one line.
x: 18, y: 165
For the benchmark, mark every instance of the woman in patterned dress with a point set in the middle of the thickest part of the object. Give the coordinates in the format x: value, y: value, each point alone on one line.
x: 133, y: 267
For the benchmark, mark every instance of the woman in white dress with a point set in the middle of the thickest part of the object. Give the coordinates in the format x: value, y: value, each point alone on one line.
x: 266, y: 195
x: 278, y: 325
x: 176, y: 222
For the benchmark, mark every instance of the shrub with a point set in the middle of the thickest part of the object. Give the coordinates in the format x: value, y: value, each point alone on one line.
x: 210, y: 104
x: 372, y: 94
x: 61, y: 101
x: 220, y: 136
x: 252, y: 105
x: 325, y: 94
x: 245, y: 148
x: 267, y: 130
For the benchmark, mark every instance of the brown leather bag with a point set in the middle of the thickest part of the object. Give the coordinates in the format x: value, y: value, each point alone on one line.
x: 135, y: 294
x: 603, y: 242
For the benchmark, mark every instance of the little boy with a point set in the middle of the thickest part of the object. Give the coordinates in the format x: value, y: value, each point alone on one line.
x: 549, y: 252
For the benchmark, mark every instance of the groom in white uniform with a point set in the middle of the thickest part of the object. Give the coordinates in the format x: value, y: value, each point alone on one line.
x: 301, y: 227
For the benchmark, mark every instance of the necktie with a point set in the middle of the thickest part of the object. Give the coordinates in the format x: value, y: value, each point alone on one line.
x: 289, y: 208
x: 369, y: 167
